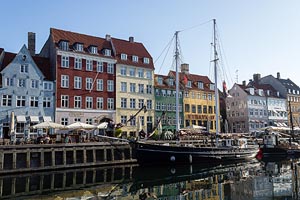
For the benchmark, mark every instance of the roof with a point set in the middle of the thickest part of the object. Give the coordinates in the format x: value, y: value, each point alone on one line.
x: 194, y: 78
x: 289, y: 84
x: 73, y: 38
x: 42, y: 63
x: 165, y: 84
x: 132, y: 48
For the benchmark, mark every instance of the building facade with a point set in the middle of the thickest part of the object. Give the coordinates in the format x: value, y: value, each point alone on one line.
x: 84, y: 69
x: 27, y: 93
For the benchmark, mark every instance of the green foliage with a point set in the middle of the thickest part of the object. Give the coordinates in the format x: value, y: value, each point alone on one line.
x: 155, y: 135
x: 118, y: 132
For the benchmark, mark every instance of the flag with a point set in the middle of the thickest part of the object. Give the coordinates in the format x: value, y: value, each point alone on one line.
x: 225, y: 91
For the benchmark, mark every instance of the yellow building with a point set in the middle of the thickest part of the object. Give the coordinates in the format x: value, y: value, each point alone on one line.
x: 198, y: 99
x: 134, y: 87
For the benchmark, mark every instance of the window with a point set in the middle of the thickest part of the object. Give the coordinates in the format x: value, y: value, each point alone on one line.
x: 171, y: 81
x: 149, y: 104
x: 47, y: 102
x: 24, y: 68
x: 199, y: 108
x: 189, y: 84
x: 64, y: 101
x: 89, y: 102
x: 123, y: 56
x: 204, y: 109
x: 123, y: 71
x: 22, y: 83
x: 132, y: 87
x: 211, y: 86
x: 21, y: 101
x: 65, y: 61
x: 110, y: 85
x: 34, y: 102
x: 64, y: 81
x: 135, y: 58
x: 77, y: 101
x: 133, y: 122
x: 141, y: 88
x: 132, y: 72
x: 64, y: 45
x: 110, y: 68
x: 99, y: 66
x: 140, y: 73
x: 141, y: 103
x: 148, y: 74
x: 9, y: 82
x: 200, y: 85
x: 157, y: 106
x: 149, y: 89
x: 48, y: 86
x: 107, y: 52
x: 99, y: 102
x: 6, y: 100
x: 93, y: 50
x: 77, y: 119
x: 187, y: 107
x: 34, y: 84
x: 78, y: 63
x: 132, y: 103
x: 99, y: 84
x: 146, y: 60
x: 77, y: 82
x: 142, y: 120
x: 123, y: 87
x: 79, y: 47
x: 89, y: 65
x: 110, y: 103
x: 123, y: 103
x: 89, y: 121
x: 88, y: 83
x: 123, y: 119
x: 64, y: 121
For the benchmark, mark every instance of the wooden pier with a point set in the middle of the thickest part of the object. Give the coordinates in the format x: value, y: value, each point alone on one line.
x: 37, y: 157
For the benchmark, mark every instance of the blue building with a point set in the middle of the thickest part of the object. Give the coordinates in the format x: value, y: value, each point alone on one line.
x: 26, y: 93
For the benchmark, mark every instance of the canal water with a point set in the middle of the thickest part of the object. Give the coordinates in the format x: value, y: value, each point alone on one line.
x: 261, y: 180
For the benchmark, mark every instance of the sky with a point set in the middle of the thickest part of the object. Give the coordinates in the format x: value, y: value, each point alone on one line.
x: 256, y: 36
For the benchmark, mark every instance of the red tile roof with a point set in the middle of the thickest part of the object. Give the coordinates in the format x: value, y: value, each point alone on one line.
x: 8, y: 57
x: 72, y: 37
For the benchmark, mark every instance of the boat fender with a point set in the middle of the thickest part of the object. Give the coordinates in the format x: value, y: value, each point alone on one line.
x: 172, y: 158
x: 191, y: 158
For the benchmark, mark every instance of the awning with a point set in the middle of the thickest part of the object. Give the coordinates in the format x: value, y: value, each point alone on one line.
x: 21, y: 119
x: 47, y: 119
x: 34, y: 119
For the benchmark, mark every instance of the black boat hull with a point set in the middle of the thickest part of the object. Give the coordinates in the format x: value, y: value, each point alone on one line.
x: 163, y: 154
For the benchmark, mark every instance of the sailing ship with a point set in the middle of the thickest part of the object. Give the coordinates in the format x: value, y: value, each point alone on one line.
x: 220, y: 151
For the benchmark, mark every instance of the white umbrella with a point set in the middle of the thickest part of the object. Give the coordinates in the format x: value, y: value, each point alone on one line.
x: 48, y: 125
x: 103, y: 125
x: 80, y: 125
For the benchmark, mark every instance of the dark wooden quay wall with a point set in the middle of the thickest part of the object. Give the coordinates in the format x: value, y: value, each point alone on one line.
x: 35, y: 157
x: 39, y: 183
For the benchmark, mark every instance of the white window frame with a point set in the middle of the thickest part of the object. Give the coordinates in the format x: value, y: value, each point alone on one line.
x: 135, y: 58
x: 89, y: 65
x: 110, y: 85
x: 88, y: 83
x: 132, y: 87
x: 78, y: 63
x: 22, y: 83
x: 110, y: 104
x: 99, y: 85
x: 64, y: 45
x: 65, y: 61
x: 123, y: 71
x: 123, y: 103
x: 77, y: 82
x: 123, y: 56
x: 64, y: 81
x: 146, y: 60
x: 93, y: 50
x: 99, y: 66
x: 24, y: 68
x: 9, y: 81
x: 64, y: 102
x: 100, y: 102
x: 6, y: 100
x: 132, y: 72
x: 34, y: 84
x: 20, y: 101
x: 140, y: 73
x: 110, y: 68
x: 47, y: 102
x: 123, y: 86
x: 77, y: 102
x: 34, y: 102
x: 89, y: 102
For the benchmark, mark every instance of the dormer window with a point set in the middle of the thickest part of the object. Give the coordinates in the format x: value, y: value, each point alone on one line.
x: 200, y: 85
x: 146, y: 60
x: 123, y: 56
x: 79, y: 47
x: 64, y: 45
x: 212, y: 86
x: 171, y: 81
x: 189, y: 84
x: 24, y: 68
x: 135, y: 58
x: 107, y: 52
x: 93, y: 49
x: 160, y: 80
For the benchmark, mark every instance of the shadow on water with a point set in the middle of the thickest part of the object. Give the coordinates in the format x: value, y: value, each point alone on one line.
x: 265, y: 179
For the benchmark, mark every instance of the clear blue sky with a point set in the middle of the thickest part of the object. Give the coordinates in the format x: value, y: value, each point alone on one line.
x: 258, y: 36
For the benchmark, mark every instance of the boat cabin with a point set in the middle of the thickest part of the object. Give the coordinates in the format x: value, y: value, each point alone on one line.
x: 240, y: 142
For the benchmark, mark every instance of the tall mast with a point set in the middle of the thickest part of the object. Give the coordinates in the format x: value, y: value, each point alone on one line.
x: 177, y: 82
x: 216, y: 79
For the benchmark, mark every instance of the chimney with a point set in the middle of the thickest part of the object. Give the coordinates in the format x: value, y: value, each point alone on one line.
x: 185, y: 68
x: 107, y: 37
x: 278, y: 75
x: 131, y: 39
x: 31, y: 43
x: 244, y: 83
x: 256, y: 77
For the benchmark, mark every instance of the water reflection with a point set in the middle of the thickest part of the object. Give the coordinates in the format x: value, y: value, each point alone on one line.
x: 247, y: 180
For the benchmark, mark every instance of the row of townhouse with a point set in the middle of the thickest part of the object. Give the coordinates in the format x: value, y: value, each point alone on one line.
x: 78, y: 77
x: 264, y: 101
